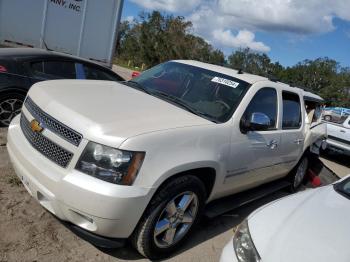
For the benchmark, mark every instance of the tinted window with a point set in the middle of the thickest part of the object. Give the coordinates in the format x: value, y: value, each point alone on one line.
x: 54, y: 70
x: 291, y: 111
x: 264, y: 101
x: 38, y: 67
x: 209, y: 94
x: 97, y: 74
x: 6, y: 66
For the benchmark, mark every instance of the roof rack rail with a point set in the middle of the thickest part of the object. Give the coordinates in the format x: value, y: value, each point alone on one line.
x: 273, y: 78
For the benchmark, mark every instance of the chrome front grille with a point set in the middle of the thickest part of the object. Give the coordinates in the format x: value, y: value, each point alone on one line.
x: 52, y: 124
x: 45, y: 146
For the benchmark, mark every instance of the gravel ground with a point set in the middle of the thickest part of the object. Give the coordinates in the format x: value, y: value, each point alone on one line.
x: 30, y: 233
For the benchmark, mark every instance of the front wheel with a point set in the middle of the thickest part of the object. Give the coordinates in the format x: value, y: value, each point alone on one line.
x: 297, y: 176
x: 170, y: 217
x: 10, y: 106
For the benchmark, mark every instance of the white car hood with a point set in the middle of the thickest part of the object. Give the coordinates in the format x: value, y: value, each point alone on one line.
x: 108, y: 112
x: 309, y: 226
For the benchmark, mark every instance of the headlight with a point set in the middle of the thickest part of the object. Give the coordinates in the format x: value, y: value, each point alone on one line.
x: 244, y: 246
x: 110, y: 164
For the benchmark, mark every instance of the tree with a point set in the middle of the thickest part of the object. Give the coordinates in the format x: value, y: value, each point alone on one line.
x: 323, y: 76
x: 156, y: 38
x: 254, y: 63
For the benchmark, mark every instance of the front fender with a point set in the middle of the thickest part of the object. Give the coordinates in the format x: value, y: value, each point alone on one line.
x: 175, y: 151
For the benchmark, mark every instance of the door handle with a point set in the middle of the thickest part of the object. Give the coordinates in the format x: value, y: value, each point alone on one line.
x: 343, y: 131
x: 272, y: 144
x: 298, y: 141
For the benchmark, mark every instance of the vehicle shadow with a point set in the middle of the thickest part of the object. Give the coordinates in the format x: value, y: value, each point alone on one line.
x: 206, y: 230
x: 340, y: 159
x: 210, y: 228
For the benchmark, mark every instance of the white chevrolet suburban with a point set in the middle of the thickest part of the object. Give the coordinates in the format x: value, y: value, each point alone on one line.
x: 139, y: 160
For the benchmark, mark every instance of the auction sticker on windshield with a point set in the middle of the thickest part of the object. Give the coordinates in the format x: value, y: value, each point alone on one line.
x: 224, y: 81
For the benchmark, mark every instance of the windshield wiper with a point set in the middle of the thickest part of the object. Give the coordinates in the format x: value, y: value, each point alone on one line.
x: 137, y: 85
x: 184, y: 105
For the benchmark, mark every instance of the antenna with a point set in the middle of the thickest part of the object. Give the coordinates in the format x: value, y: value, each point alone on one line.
x: 46, y: 47
x: 240, y: 71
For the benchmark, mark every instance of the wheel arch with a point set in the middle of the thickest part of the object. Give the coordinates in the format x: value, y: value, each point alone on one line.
x: 13, y: 89
x: 207, y: 175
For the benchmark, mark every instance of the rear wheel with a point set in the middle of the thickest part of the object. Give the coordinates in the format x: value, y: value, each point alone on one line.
x: 328, y: 118
x: 10, y: 106
x: 170, y: 218
x: 297, y: 176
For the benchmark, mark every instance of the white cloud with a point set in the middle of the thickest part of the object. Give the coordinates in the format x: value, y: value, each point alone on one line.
x: 243, y: 39
x: 168, y: 5
x: 129, y: 18
x: 297, y: 18
x: 347, y: 33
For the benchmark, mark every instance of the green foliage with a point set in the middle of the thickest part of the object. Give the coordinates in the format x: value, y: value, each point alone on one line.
x: 323, y: 76
x: 156, y: 38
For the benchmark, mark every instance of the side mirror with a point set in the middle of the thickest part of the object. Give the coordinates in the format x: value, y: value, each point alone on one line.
x: 257, y: 122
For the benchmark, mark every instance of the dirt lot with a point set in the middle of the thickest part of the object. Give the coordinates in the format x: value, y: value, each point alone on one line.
x: 29, y: 233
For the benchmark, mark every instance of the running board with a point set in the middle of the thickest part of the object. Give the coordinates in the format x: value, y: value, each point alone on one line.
x: 224, y: 205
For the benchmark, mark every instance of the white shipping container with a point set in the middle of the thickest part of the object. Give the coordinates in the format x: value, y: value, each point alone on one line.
x: 85, y: 28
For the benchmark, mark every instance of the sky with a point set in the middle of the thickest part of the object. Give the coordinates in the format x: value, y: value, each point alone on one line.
x: 288, y: 31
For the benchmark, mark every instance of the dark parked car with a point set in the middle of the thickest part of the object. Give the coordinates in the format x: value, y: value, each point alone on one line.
x: 20, y: 68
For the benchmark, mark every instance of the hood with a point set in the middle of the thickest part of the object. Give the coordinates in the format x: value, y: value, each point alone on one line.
x: 309, y: 226
x: 109, y: 112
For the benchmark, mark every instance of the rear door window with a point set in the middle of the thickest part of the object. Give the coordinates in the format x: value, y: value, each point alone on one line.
x: 292, y: 118
x: 53, y: 70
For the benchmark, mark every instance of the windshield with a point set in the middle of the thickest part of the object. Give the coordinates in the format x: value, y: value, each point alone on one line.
x: 206, y: 93
x: 343, y: 187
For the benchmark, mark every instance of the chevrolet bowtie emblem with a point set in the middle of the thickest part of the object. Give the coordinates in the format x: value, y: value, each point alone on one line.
x: 35, y: 126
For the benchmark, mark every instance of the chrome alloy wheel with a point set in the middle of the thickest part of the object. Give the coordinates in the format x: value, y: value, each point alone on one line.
x: 300, y: 173
x: 176, y: 219
x: 9, y: 108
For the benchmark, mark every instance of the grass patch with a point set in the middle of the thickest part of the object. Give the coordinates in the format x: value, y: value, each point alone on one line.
x: 14, y: 181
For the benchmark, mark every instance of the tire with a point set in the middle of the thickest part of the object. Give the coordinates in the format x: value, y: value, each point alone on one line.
x: 328, y: 118
x: 298, y: 174
x: 165, y: 212
x: 10, y: 106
